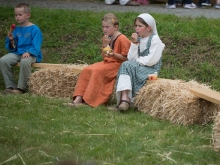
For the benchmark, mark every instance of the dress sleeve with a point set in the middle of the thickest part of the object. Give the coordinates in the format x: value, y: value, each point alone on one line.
x: 155, y: 53
x: 133, y: 52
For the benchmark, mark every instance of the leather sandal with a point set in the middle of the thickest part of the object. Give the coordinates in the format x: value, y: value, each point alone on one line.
x: 124, y: 105
x: 132, y: 3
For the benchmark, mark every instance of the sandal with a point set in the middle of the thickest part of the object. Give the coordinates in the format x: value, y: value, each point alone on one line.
x: 124, y: 105
x: 132, y: 3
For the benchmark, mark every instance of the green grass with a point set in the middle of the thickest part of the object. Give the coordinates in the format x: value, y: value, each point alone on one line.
x: 40, y: 130
x: 36, y: 127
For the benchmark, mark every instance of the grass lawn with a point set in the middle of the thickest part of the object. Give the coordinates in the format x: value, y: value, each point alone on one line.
x: 40, y: 130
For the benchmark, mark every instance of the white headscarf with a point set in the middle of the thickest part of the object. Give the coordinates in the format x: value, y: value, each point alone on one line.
x: 150, y: 21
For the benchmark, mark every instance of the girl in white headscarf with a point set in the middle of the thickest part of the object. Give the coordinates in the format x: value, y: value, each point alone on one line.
x: 144, y: 58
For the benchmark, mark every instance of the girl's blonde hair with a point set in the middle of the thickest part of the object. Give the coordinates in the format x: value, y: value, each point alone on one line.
x: 111, y: 18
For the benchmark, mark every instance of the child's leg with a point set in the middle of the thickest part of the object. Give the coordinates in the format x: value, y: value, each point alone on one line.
x: 6, y: 63
x: 171, y: 2
x: 124, y: 84
x: 187, y: 1
x: 124, y: 95
x: 123, y: 92
x: 25, y: 71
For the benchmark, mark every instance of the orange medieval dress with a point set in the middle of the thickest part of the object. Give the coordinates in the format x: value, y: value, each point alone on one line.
x: 96, y: 82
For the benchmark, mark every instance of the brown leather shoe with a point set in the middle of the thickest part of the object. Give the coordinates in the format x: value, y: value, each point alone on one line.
x: 17, y: 91
x: 8, y: 91
x: 124, y: 105
x: 132, y: 3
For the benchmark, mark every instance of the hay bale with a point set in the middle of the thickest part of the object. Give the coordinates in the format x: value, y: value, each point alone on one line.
x: 172, y: 100
x: 216, y: 133
x: 54, y: 82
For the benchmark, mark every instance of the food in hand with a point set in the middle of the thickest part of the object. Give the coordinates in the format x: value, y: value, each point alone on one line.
x: 107, y: 49
x: 12, y: 27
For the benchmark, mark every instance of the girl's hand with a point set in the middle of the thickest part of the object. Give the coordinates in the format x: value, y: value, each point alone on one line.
x: 134, y: 37
x: 105, y: 41
x: 110, y: 55
x: 25, y: 55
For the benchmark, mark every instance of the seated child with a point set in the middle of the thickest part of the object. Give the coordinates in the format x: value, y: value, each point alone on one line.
x: 96, y: 82
x: 24, y: 46
x: 144, y: 58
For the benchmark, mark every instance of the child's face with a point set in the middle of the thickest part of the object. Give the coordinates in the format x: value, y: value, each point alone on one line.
x: 108, y: 28
x: 20, y: 16
x: 142, y: 29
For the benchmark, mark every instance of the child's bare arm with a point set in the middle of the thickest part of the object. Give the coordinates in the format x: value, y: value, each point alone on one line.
x: 117, y: 55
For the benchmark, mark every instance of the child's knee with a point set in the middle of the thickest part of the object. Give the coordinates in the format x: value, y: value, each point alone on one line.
x: 25, y: 62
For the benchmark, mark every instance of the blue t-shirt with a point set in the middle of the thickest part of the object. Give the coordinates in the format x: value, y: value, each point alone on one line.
x: 27, y: 39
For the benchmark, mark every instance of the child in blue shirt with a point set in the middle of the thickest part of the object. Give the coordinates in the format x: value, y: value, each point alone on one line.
x: 24, y: 46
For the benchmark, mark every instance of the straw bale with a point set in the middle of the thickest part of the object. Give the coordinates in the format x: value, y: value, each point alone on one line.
x: 172, y: 100
x: 54, y: 82
x: 216, y: 132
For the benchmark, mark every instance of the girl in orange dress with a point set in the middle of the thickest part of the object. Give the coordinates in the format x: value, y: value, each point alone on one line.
x: 96, y: 82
